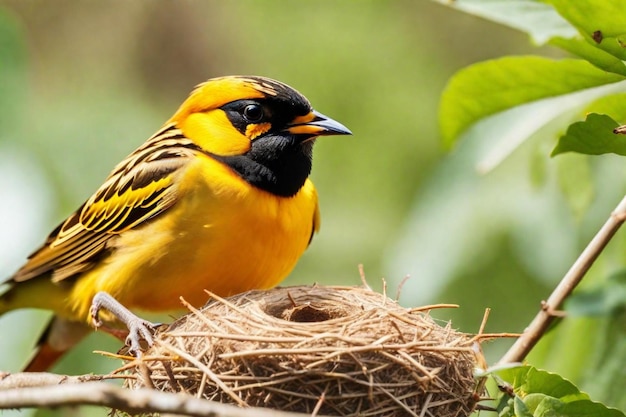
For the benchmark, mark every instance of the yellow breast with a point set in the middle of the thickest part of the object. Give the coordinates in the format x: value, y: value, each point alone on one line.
x: 222, y: 235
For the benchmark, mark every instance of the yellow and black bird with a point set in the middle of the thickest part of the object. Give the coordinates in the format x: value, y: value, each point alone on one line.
x: 219, y: 199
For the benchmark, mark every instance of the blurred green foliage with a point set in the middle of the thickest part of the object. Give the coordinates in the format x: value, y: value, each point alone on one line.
x: 87, y: 82
x: 590, y: 347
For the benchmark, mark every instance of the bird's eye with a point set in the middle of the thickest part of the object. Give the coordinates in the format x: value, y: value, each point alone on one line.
x: 253, y: 113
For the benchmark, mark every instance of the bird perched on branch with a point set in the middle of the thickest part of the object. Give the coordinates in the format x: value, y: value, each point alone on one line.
x: 219, y: 199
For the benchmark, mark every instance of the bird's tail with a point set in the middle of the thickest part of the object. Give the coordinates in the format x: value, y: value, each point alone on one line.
x: 59, y: 336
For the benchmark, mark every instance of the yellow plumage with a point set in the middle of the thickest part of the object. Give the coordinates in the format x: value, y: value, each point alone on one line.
x: 219, y: 234
x: 217, y: 199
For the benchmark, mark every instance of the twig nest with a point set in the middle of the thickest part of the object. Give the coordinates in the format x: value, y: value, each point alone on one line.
x: 341, y: 351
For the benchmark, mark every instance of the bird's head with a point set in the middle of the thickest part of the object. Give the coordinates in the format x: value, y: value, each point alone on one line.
x: 263, y: 129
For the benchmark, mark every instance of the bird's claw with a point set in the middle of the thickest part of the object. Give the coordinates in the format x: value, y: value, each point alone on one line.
x: 138, y: 329
x: 94, y: 311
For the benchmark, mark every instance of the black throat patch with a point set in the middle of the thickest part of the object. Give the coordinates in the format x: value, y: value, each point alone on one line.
x: 275, y: 163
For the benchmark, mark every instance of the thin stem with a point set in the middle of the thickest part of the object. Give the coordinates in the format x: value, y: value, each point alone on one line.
x: 572, y: 278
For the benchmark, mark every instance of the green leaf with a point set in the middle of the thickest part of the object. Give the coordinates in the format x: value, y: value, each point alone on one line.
x: 596, y: 56
x: 529, y: 380
x: 506, y: 407
x: 601, y: 22
x: 544, y: 394
x: 585, y: 408
x: 594, y: 136
x: 549, y: 407
x: 533, y: 401
x: 521, y: 410
x: 551, y: 384
x: 539, y: 20
x: 489, y: 87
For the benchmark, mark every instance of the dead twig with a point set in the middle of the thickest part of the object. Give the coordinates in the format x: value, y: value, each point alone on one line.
x: 572, y: 278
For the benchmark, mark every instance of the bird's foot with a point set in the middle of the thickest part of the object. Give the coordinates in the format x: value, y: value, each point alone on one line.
x: 138, y: 329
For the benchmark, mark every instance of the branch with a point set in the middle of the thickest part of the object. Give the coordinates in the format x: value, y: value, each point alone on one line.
x: 547, y: 314
x: 39, y: 379
x: 62, y: 390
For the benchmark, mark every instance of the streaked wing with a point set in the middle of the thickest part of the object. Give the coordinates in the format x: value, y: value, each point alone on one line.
x: 139, y: 188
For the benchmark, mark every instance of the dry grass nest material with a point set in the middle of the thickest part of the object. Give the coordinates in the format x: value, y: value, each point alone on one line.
x: 342, y: 351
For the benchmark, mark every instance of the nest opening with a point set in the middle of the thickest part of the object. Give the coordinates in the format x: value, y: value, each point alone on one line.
x: 306, y: 313
x: 342, y: 351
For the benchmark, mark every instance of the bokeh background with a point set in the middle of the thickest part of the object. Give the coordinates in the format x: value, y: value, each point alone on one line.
x: 82, y: 84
